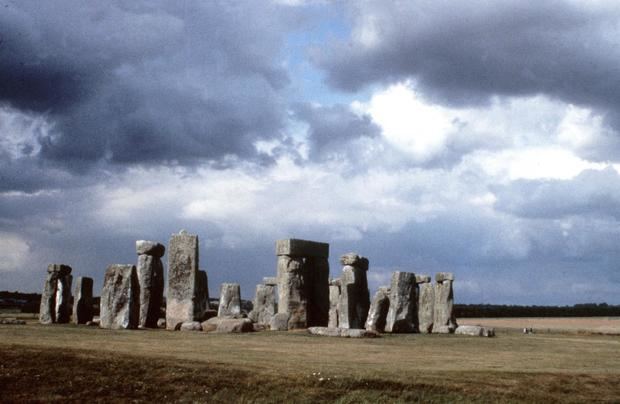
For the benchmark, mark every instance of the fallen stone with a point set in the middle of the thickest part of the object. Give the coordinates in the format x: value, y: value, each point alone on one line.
x: 120, y: 298
x: 475, y: 331
x: 151, y: 248
x: 182, y: 303
x: 234, y: 325
x: 191, y: 326
x: 342, y: 332
x: 83, y: 300
x: 279, y: 322
x: 377, y: 314
x: 443, y: 329
x: 12, y: 321
x: 260, y: 327
x: 230, y: 300
x: 403, y: 301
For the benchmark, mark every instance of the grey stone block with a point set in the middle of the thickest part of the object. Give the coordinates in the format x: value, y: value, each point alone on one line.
x: 302, y: 248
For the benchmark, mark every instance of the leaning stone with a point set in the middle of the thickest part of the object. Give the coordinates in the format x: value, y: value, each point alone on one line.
x: 83, y: 300
x: 234, y: 325
x: 120, y: 298
x: 400, y: 317
x: 426, y: 304
x: 152, y: 248
x: 182, y: 303
x: 191, y: 326
x: 377, y: 314
x: 279, y: 322
x: 302, y: 248
x: 230, y: 300
x: 150, y: 272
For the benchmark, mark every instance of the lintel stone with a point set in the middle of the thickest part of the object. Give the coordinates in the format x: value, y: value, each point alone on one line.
x: 302, y: 248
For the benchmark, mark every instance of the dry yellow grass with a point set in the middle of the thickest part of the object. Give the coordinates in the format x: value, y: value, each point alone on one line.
x: 603, y: 325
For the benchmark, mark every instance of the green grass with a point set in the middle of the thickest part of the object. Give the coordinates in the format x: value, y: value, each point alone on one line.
x: 107, y: 365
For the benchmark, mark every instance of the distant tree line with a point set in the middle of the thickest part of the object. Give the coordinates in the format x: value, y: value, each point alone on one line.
x: 496, y: 310
x: 29, y: 303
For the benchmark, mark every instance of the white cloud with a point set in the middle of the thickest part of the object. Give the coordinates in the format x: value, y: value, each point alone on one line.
x: 14, y: 252
x: 20, y: 132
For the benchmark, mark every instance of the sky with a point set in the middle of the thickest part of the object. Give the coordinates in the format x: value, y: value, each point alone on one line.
x: 480, y: 138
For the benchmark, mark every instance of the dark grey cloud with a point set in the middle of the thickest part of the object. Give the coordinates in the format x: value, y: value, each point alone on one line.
x: 592, y: 193
x: 465, y: 52
x: 332, y: 130
x: 146, y: 82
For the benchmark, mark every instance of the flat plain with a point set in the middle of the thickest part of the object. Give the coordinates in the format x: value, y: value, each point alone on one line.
x: 79, y: 363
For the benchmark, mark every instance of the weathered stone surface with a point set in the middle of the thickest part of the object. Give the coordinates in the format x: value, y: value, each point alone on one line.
x: 475, y: 331
x: 181, y: 301
x: 444, y: 276
x: 342, y: 332
x: 152, y: 248
x: 270, y: 281
x: 161, y: 323
x: 442, y: 329
x: 292, y: 293
x: 63, y: 299
x: 150, y: 271
x: 230, y: 300
x: 48, y: 311
x: 377, y: 314
x: 317, y: 289
x: 120, y: 298
x: 426, y: 304
x: 302, y: 248
x: 403, y: 301
x: 334, y: 303
x: 260, y: 327
x: 422, y: 278
x: 191, y: 326
x: 354, y: 260
x: 354, y: 294
x: 264, y: 304
x: 83, y: 300
x: 279, y: 322
x: 444, y: 303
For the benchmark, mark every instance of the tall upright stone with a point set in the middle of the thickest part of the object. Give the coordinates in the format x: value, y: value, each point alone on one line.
x: 379, y: 307
x: 334, y: 303
x: 354, y: 294
x: 265, y: 306
x: 444, y: 320
x: 426, y: 303
x: 83, y: 300
x: 182, y: 301
x: 303, y: 282
x: 230, y: 300
x: 120, y: 298
x: 56, y: 295
x: 403, y: 301
x: 150, y: 272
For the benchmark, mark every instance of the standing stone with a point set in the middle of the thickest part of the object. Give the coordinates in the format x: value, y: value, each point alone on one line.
x: 303, y: 282
x: 292, y: 298
x: 443, y: 318
x: 400, y: 317
x: 377, y: 314
x: 264, y: 304
x: 150, y: 272
x: 120, y: 298
x: 426, y: 303
x: 83, y: 300
x: 334, y: 303
x: 230, y: 300
x: 354, y: 294
x: 202, y: 293
x: 182, y: 302
x: 50, y: 306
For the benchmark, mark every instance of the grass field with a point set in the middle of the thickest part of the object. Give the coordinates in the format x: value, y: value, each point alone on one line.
x: 66, y: 362
x: 599, y: 325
